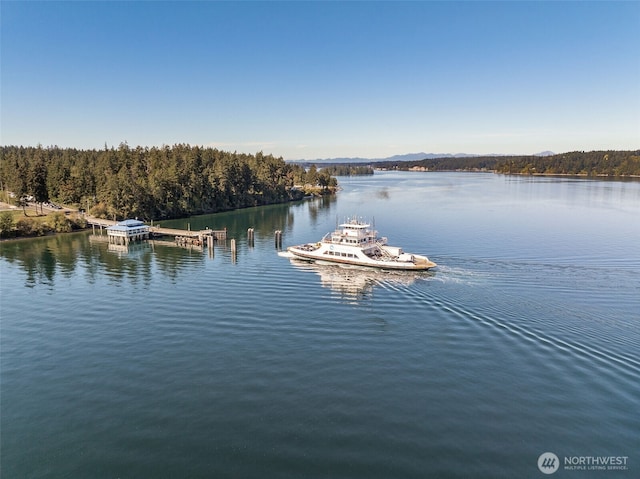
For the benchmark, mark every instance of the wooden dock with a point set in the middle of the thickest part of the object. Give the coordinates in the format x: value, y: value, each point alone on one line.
x: 179, y: 234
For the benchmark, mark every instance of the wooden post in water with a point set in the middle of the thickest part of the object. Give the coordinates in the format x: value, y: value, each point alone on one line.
x: 233, y: 250
x: 250, y: 236
x: 210, y: 245
x: 278, y: 238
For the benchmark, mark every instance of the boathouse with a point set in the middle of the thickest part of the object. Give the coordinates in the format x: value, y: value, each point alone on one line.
x: 126, y: 231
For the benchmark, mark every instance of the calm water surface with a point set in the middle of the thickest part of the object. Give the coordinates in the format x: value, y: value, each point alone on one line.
x: 168, y: 362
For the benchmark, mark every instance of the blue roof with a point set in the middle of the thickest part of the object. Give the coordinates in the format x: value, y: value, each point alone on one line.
x: 131, y: 223
x: 126, y: 225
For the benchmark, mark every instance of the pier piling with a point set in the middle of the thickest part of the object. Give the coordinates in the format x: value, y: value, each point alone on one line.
x: 233, y: 250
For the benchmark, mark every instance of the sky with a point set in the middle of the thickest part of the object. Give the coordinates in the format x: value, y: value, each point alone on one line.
x: 310, y: 80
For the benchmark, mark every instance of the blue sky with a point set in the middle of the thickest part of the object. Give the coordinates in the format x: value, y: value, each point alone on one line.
x: 307, y: 80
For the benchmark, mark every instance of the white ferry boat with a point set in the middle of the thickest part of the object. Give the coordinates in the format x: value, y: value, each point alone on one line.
x: 355, y: 242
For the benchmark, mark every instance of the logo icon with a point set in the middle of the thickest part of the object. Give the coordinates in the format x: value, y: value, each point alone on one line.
x: 548, y: 463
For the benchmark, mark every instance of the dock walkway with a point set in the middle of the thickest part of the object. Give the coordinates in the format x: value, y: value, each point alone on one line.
x: 158, y: 231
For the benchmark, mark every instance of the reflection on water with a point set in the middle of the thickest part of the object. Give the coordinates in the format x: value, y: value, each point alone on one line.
x: 383, y: 193
x: 358, y: 282
x: 129, y: 250
x: 44, y: 259
x: 263, y: 219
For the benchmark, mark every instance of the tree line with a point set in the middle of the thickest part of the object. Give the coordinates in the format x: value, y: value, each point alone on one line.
x: 593, y: 163
x: 347, y: 169
x: 154, y: 183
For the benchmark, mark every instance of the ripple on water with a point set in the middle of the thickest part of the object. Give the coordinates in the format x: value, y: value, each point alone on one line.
x: 252, y: 365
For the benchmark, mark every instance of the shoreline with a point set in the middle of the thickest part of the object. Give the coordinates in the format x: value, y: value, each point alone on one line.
x: 574, y: 175
x: 47, y: 235
x: 496, y: 172
x: 318, y: 194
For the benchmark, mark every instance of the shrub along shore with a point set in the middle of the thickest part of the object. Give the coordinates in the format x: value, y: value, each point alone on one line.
x: 14, y: 224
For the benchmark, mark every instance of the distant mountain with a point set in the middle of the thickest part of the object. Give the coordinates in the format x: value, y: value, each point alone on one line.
x: 545, y: 153
x: 406, y: 157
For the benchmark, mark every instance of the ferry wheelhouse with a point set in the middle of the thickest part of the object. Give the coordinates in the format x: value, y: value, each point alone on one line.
x: 356, y: 242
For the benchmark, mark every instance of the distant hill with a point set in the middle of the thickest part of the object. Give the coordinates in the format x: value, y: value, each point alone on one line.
x: 405, y: 157
x: 580, y: 163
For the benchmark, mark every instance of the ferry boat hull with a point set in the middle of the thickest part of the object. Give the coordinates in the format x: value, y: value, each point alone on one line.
x: 417, y: 263
x: 354, y: 243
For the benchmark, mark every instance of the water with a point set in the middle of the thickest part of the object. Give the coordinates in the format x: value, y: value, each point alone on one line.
x: 166, y: 362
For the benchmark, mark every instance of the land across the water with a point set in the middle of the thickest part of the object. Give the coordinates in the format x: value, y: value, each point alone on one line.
x: 609, y: 163
x: 584, y: 176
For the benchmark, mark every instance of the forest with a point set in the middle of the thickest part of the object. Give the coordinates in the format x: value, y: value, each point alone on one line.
x: 347, y: 169
x: 155, y: 183
x: 593, y: 163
